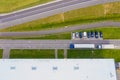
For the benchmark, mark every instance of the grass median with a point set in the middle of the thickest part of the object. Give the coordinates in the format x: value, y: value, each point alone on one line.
x: 1, y: 53
x: 104, y: 12
x: 12, y: 5
x: 34, y: 53
x: 108, y: 33
x: 81, y: 54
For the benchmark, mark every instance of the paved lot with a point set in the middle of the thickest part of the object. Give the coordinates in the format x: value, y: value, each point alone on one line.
x: 46, y: 10
x: 50, y: 44
x: 6, y: 45
x: 34, y: 44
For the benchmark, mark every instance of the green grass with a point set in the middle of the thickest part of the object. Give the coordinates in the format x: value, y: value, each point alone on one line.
x: 108, y: 33
x: 60, y: 53
x: 79, y: 16
x: 34, y: 53
x: 12, y: 5
x: 96, y: 54
x: 1, y: 52
x: 75, y: 53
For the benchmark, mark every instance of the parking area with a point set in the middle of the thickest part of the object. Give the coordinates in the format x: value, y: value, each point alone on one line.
x: 91, y: 35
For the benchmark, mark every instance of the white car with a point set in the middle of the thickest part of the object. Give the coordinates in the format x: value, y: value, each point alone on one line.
x: 85, y: 34
x: 77, y: 34
x: 73, y: 35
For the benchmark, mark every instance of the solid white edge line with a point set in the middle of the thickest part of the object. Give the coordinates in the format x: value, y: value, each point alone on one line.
x: 4, y: 14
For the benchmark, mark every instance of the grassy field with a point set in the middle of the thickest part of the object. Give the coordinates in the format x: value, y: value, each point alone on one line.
x: 35, y: 53
x: 79, y: 16
x: 1, y: 51
x: 12, y: 5
x: 71, y: 54
x: 94, y: 54
x: 108, y: 33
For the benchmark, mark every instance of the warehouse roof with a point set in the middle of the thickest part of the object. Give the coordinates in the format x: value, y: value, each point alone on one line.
x: 57, y: 69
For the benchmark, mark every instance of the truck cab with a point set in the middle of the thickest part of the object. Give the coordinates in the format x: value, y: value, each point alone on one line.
x: 99, y: 46
x: 71, y: 46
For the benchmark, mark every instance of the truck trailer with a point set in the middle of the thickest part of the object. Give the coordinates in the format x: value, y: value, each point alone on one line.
x: 82, y: 46
x: 106, y: 46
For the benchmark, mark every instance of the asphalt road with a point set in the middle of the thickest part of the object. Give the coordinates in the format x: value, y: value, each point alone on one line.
x: 54, y: 31
x: 46, y: 10
x: 40, y: 9
x: 50, y: 44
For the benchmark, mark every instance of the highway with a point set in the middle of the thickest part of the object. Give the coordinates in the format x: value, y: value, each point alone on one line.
x: 51, y: 44
x: 46, y: 10
x: 54, y: 31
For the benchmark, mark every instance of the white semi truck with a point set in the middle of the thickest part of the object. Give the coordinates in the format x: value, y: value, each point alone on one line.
x: 82, y: 46
x: 106, y: 46
x: 91, y: 46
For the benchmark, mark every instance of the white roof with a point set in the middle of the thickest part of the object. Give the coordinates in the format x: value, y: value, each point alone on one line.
x: 108, y: 46
x: 84, y: 45
x: 54, y: 69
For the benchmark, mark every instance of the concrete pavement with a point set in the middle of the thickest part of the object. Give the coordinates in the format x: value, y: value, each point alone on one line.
x: 56, y: 53
x: 6, y: 45
x: 118, y: 74
x: 6, y: 53
x: 51, y: 44
x: 47, y: 10
x: 65, y: 53
x: 54, y: 31
x: 34, y: 44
